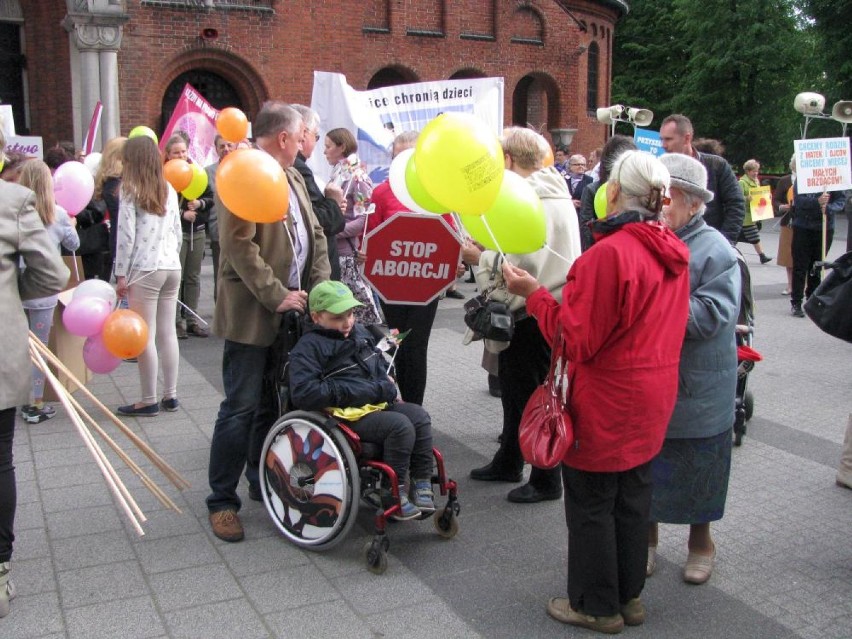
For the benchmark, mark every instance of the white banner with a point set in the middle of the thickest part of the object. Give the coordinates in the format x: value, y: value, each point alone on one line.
x: 823, y: 164
x: 378, y: 115
x: 7, y: 120
x: 30, y: 145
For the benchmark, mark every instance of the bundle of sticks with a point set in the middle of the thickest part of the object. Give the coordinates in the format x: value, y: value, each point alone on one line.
x: 41, y: 356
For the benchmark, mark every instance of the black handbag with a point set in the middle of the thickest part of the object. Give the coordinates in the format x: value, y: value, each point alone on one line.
x: 830, y: 305
x: 487, y: 318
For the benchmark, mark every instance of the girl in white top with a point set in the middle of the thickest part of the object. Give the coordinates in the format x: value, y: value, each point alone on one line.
x: 147, y: 268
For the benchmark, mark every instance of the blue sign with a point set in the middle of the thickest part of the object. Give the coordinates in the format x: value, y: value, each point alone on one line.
x: 647, y: 140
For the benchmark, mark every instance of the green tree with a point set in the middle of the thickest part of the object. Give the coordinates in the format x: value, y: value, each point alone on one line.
x: 832, y: 29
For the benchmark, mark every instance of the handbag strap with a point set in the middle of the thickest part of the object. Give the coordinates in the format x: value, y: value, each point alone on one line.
x: 555, y: 354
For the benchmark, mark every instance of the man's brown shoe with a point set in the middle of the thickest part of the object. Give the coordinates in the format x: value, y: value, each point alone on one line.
x: 633, y: 612
x: 560, y: 609
x: 226, y: 525
x: 197, y: 331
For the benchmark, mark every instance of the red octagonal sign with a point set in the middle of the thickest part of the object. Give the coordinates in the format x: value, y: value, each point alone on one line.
x: 412, y: 258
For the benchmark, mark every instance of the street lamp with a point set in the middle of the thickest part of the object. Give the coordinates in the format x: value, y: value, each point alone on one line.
x: 619, y: 113
x: 811, y: 105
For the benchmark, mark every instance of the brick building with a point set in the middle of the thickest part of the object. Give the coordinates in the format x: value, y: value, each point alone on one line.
x: 58, y: 59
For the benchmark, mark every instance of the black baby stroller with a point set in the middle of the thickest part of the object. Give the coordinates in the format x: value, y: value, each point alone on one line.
x: 315, y: 470
x: 746, y: 355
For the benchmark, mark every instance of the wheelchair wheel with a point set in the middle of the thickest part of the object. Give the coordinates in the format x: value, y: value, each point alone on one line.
x: 748, y: 404
x: 309, y: 480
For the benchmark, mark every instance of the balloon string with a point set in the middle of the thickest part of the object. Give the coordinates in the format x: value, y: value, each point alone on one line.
x: 493, y: 239
x: 193, y: 313
x: 76, y: 270
x: 561, y: 257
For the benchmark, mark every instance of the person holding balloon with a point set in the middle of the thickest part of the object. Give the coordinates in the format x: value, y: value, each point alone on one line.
x: 107, y: 187
x: 148, y: 269
x: 623, y: 316
x: 273, y: 251
x: 540, y: 199
x: 30, y: 266
x: 35, y: 175
x: 196, y: 201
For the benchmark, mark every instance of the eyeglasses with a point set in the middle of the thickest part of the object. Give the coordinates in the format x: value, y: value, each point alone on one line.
x: 577, y: 164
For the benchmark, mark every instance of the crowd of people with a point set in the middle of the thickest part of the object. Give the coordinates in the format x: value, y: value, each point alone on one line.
x: 642, y: 299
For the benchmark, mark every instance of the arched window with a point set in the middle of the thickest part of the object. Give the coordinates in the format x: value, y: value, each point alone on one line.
x: 527, y: 26
x: 212, y: 87
x: 592, y: 75
x: 12, y: 64
x: 390, y: 77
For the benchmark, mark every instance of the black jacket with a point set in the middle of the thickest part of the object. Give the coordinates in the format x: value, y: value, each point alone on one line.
x: 726, y: 210
x: 327, y: 211
x: 328, y: 370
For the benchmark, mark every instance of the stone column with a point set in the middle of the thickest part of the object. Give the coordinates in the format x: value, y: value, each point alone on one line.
x: 110, y: 121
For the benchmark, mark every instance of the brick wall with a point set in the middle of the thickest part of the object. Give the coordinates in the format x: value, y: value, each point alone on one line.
x: 274, y: 55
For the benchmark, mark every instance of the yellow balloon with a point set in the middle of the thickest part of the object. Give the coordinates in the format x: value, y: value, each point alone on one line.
x: 600, y: 201
x: 198, y: 184
x: 141, y: 130
x: 516, y: 219
x: 460, y: 162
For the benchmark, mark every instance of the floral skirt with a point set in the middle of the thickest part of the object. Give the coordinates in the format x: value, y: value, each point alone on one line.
x: 690, y: 480
x: 351, y: 276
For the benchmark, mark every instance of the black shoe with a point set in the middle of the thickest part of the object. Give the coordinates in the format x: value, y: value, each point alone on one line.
x: 150, y: 410
x: 454, y: 294
x: 494, y: 473
x: 796, y: 310
x: 254, y: 493
x: 529, y: 494
x: 764, y: 258
x: 470, y: 280
x: 169, y: 404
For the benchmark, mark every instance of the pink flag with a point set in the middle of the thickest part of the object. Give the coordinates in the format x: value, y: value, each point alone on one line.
x: 93, y: 128
x: 197, y: 118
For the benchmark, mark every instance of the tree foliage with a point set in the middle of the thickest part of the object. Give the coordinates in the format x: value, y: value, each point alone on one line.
x: 732, y: 66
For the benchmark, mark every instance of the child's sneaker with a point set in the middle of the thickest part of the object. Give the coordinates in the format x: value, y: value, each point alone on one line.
x: 407, y: 510
x: 422, y: 495
x: 35, y: 415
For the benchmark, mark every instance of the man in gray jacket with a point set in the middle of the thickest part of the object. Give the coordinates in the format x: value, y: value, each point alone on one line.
x: 23, y: 240
x: 727, y: 209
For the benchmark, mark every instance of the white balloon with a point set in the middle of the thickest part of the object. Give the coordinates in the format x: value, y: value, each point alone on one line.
x: 396, y: 178
x: 92, y: 162
x: 96, y: 288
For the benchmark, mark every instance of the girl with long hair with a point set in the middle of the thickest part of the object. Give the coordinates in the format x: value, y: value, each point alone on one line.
x: 35, y: 175
x: 147, y: 268
x: 107, y: 185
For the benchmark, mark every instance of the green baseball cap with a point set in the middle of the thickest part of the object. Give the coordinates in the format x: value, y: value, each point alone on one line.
x: 331, y: 296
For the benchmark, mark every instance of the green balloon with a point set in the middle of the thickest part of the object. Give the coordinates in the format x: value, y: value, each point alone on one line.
x: 516, y: 219
x: 139, y: 131
x: 418, y: 192
x: 600, y: 201
x: 198, y: 184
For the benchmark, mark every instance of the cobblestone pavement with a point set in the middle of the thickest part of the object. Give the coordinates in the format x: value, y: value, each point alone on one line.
x: 784, y: 566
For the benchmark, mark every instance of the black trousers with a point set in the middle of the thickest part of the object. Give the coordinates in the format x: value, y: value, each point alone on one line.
x: 807, y: 249
x: 607, y: 515
x: 8, y: 491
x: 522, y: 368
x: 410, y: 361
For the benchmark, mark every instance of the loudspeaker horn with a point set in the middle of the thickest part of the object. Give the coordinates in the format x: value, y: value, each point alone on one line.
x: 605, y: 115
x: 809, y: 103
x: 640, y: 117
x: 842, y: 111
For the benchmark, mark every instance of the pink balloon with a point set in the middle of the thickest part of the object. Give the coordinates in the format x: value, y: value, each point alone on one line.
x: 85, y: 316
x: 97, y: 357
x: 73, y: 186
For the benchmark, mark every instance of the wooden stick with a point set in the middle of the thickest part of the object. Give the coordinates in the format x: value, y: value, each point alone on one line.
x: 113, y: 481
x: 171, y: 474
x: 146, y: 480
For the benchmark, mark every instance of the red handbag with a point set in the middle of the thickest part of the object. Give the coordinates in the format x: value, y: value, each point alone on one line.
x: 546, y: 432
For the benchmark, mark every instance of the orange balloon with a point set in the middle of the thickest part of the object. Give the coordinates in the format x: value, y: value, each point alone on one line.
x: 253, y: 186
x: 178, y: 173
x: 548, y: 159
x: 125, y: 334
x: 232, y: 124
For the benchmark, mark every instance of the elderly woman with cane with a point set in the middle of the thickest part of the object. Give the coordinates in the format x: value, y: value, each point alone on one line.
x: 147, y: 268
x: 690, y: 475
x: 623, y: 315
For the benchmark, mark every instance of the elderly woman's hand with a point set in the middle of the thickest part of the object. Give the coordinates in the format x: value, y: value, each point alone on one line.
x: 471, y: 253
x: 518, y: 281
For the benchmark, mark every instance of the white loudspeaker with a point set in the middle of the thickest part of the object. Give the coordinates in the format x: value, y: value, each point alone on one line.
x: 640, y: 117
x: 842, y: 111
x: 605, y: 115
x: 809, y: 103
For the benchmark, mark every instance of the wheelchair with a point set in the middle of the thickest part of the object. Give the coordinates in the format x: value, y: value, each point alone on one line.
x: 315, y: 472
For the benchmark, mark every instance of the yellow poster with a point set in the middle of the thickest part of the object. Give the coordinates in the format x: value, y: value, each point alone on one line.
x: 760, y: 203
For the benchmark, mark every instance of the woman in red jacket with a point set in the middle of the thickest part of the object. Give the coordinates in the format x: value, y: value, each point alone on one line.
x: 623, y: 317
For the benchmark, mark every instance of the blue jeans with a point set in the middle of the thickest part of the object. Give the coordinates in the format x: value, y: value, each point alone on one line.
x: 245, y: 417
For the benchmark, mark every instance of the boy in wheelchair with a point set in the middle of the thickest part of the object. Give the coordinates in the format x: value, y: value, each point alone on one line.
x: 336, y: 367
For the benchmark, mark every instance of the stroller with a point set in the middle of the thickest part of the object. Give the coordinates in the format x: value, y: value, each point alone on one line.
x: 746, y: 355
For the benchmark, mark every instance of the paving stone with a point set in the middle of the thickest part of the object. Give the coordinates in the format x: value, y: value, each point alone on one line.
x: 126, y: 618
x: 99, y: 584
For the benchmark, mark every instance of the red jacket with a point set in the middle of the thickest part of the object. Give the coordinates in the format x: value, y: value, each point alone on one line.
x: 624, y: 311
x: 387, y: 205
